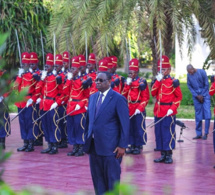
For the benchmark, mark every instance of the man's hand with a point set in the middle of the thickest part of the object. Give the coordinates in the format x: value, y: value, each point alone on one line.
x: 69, y: 75
x: 169, y: 112
x: 159, y: 77
x: 77, y: 107
x: 120, y: 152
x: 53, y: 106
x: 200, y: 98
x: 38, y: 100
x: 44, y: 74
x: 137, y: 111
x: 29, y: 102
x: 128, y: 81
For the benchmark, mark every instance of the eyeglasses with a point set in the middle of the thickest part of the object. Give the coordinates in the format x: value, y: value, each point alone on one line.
x: 100, y: 80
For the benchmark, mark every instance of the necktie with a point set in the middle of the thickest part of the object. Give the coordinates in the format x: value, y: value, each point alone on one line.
x: 99, y: 103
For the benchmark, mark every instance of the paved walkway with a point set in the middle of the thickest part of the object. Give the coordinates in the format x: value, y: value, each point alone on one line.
x: 191, y: 173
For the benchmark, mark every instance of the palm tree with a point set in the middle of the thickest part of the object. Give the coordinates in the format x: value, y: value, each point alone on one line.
x: 108, y: 21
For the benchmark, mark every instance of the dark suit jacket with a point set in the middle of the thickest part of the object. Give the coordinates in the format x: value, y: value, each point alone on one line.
x: 110, y: 126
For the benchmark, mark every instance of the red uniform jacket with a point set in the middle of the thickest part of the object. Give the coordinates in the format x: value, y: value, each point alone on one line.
x: 77, y: 95
x: 61, y: 95
x: 168, y: 96
x: 49, y: 90
x: 137, y: 95
x: 27, y: 80
x: 92, y: 74
x: 118, y: 83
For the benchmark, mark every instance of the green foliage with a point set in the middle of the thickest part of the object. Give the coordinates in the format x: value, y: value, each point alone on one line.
x: 28, y: 18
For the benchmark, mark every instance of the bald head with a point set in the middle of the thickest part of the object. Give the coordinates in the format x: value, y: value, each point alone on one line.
x: 190, y: 69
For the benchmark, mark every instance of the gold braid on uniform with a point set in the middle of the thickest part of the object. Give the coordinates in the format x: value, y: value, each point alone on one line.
x: 40, y: 125
x: 81, y: 123
x: 144, y: 130
x: 7, y: 124
x: 64, y: 120
x: 57, y: 128
x: 35, y: 123
x: 172, y: 135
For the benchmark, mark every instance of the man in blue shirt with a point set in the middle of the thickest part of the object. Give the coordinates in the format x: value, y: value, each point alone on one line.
x: 197, y: 82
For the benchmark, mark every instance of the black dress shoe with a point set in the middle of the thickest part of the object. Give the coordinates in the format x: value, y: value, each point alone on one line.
x: 30, y: 147
x: 214, y: 167
x: 129, y: 150
x: 74, y: 151
x: 47, y: 150
x: 63, y: 144
x: 136, y: 150
x: 205, y: 137
x: 80, y: 151
x: 162, y: 158
x: 24, y: 147
x: 54, y: 149
x: 197, y: 137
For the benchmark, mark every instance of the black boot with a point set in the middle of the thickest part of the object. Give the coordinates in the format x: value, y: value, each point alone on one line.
x: 2, y: 142
x: 80, y: 151
x: 74, y: 150
x: 30, y: 147
x: 168, y: 159
x: 162, y: 158
x: 54, y: 149
x: 129, y: 150
x: 47, y: 150
x: 39, y: 141
x: 136, y: 150
x: 23, y: 148
x: 63, y: 144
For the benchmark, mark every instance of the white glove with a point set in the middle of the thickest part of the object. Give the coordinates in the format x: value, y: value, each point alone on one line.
x: 63, y: 69
x: 69, y: 75
x: 1, y: 98
x: 29, y: 102
x: 62, y: 102
x: 169, y: 112
x: 128, y: 81
x: 30, y: 70
x: 79, y: 73
x: 86, y: 107
x: 54, y: 72
x: 21, y: 71
x: 77, y: 107
x: 159, y: 77
x: 44, y: 74
x: 53, y: 106
x: 137, y: 111
x: 87, y: 70
x: 38, y: 101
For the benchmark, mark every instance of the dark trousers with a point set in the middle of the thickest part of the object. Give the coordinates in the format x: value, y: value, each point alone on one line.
x: 50, y: 128
x: 26, y: 123
x: 75, y: 128
x: 165, y: 133
x: 105, y: 171
x: 137, y: 132
x: 214, y: 136
x: 61, y: 124
x: 5, y: 129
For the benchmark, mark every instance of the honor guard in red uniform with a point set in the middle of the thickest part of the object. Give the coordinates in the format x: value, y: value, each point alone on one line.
x: 25, y: 79
x: 137, y: 93
x: 62, y: 108
x: 168, y: 96
x: 76, y: 108
x: 5, y: 128
x: 49, y: 102
x: 117, y: 80
x: 66, y: 61
x: 91, y: 69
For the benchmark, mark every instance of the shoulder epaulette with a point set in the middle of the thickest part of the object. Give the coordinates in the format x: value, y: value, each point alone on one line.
x: 176, y: 83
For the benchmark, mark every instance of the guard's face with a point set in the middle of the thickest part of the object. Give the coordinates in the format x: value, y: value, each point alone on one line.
x: 132, y: 74
x: 82, y: 69
x: 165, y: 71
x: 57, y: 67
x: 49, y: 68
x: 33, y: 66
x: 75, y: 71
x: 102, y: 83
x: 25, y: 66
x: 91, y: 66
x: 66, y: 65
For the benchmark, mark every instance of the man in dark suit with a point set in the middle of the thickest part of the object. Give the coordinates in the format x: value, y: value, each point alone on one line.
x: 106, y: 134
